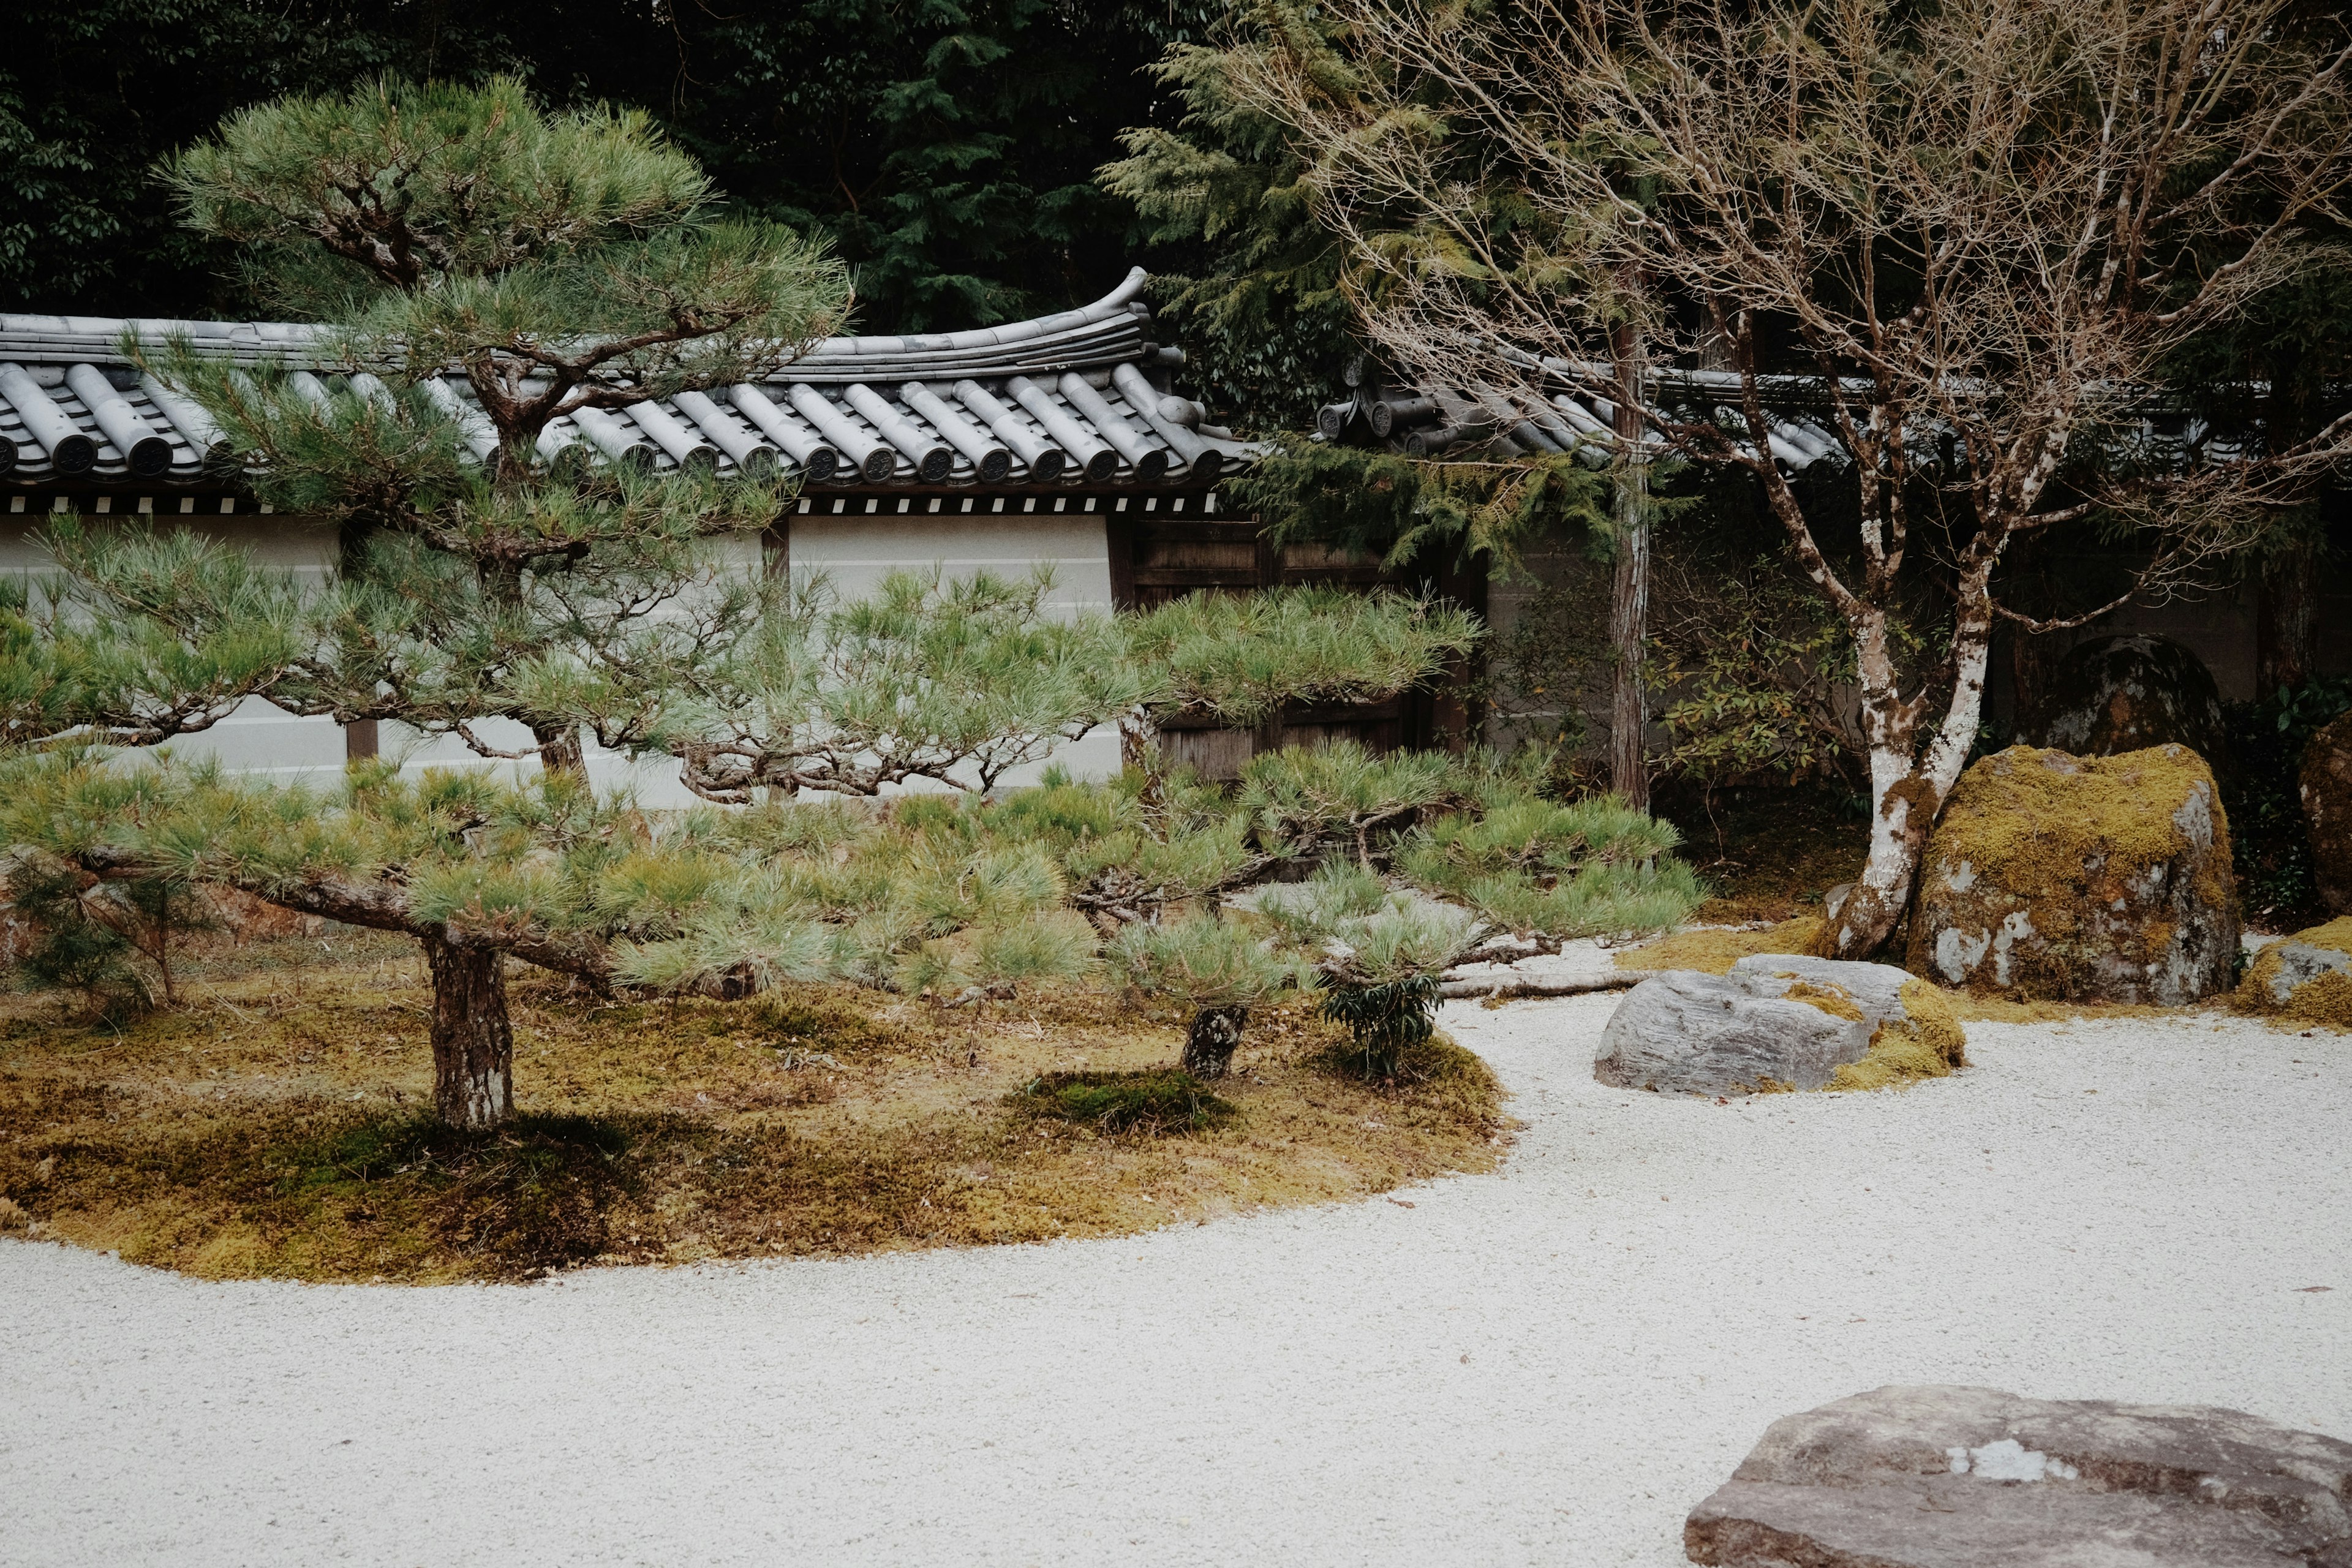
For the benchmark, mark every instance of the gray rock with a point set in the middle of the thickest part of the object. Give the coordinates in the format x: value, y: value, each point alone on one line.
x: 1687, y: 1032
x: 1945, y: 1477
x: 2117, y: 694
x: 1875, y: 988
x: 2299, y: 964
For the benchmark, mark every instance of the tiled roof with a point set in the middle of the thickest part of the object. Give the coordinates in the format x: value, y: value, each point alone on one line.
x: 1427, y: 421
x: 1082, y: 397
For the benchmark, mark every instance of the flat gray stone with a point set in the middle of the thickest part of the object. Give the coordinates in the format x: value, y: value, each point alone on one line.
x: 1682, y: 1032
x: 1943, y: 1476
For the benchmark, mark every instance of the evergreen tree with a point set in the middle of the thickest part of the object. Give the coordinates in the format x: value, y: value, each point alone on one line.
x: 563, y: 263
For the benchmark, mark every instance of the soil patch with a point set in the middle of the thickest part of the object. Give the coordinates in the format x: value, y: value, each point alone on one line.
x: 279, y: 1124
x: 1769, y: 853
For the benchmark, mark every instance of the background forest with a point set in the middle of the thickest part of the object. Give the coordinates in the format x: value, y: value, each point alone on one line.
x: 948, y: 149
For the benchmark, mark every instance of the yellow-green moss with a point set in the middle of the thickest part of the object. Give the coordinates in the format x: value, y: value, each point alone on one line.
x: 1837, y: 1002
x: 2028, y: 822
x: 2325, y: 999
x: 1930, y: 1044
x: 1714, y: 951
x: 279, y: 1125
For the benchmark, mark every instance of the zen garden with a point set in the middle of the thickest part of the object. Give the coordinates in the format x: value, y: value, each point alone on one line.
x: 1517, y: 783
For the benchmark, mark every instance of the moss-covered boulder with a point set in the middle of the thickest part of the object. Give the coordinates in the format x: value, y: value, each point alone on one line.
x: 2327, y: 787
x: 2066, y: 878
x: 1780, y: 1021
x: 2307, y: 977
x: 2119, y: 694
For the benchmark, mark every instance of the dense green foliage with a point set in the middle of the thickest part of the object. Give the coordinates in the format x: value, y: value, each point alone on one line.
x: 1421, y: 513
x: 947, y: 148
x: 1261, y: 305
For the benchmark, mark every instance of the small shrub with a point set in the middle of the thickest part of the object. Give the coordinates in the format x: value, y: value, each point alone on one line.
x: 1437, y: 1074
x: 73, y: 951
x: 1154, y: 1102
x: 1386, y: 1022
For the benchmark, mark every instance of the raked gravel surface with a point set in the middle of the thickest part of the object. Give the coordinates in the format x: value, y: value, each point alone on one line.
x: 1549, y: 1364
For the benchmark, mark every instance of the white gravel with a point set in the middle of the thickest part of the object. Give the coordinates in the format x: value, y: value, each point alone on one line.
x: 1547, y: 1365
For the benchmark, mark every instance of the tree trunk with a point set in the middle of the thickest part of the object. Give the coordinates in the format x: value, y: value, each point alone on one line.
x: 2286, y: 620
x: 473, y: 1044
x: 1629, y: 598
x: 1210, y: 1042
x: 559, y: 750
x: 1907, y: 789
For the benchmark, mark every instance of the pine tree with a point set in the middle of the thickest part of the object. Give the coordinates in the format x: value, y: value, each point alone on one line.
x: 562, y: 263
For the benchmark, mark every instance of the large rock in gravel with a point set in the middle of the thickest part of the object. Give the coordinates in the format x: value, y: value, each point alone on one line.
x: 2070, y: 879
x: 2307, y: 976
x: 1777, y: 1021
x: 2119, y: 694
x: 1972, y: 1477
x: 2326, y: 788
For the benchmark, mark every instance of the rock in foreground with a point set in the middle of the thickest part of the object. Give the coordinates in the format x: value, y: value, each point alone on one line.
x: 2056, y: 878
x: 1777, y: 1021
x: 1945, y: 1477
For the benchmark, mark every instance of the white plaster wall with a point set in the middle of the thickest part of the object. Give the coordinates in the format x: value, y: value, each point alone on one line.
x: 854, y: 553
x: 858, y: 552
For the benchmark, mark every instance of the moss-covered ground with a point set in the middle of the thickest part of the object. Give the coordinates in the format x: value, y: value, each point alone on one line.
x: 279, y: 1125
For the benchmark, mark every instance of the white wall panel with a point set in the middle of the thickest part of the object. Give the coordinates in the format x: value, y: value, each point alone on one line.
x: 856, y: 552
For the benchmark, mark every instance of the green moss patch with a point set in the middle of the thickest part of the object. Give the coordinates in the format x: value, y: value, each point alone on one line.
x: 1152, y: 1103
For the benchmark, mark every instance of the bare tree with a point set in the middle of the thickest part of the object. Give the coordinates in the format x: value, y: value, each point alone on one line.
x: 1964, y: 236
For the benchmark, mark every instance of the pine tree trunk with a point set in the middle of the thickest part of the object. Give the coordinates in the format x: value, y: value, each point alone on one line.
x: 473, y: 1044
x: 559, y: 748
x: 1210, y: 1042
x: 1629, y: 598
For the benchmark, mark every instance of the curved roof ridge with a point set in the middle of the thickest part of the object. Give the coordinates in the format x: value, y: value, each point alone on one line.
x: 1103, y: 332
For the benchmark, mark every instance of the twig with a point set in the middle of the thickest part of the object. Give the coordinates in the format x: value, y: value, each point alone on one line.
x: 1505, y: 985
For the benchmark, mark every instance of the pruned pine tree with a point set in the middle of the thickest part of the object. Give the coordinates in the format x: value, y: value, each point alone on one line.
x: 938, y: 682
x: 1378, y: 953
x: 560, y: 263
x: 1241, y: 661
x: 474, y: 870
x: 1218, y: 968
x: 946, y: 681
x: 1967, y: 241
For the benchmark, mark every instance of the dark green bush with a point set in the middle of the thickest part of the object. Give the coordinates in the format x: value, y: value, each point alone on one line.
x: 1384, y: 1023
x: 1154, y: 1102
x: 2260, y: 791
